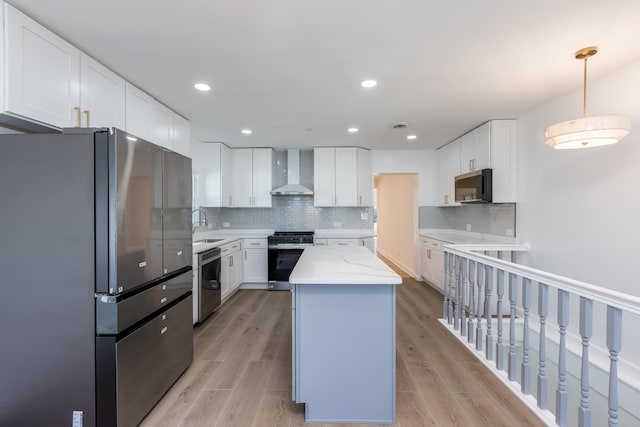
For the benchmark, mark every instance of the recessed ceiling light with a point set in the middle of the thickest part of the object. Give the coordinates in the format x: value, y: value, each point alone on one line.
x: 411, y: 137
x: 247, y: 131
x: 202, y: 86
x: 353, y: 130
x: 368, y: 83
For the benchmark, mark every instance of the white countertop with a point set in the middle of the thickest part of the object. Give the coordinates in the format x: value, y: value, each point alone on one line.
x: 341, y: 265
x: 474, y: 241
x: 332, y: 233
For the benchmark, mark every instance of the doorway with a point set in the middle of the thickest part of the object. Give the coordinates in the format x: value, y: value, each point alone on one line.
x: 396, y: 207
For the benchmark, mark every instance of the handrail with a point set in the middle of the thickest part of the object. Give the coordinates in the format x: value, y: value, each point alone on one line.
x: 626, y: 302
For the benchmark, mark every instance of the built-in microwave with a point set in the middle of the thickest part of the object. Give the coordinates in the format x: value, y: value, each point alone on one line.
x: 474, y: 187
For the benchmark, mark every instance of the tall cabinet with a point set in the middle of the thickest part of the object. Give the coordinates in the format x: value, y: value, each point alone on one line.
x: 342, y: 176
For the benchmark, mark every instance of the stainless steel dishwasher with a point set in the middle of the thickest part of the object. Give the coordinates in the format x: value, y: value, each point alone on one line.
x: 209, y: 286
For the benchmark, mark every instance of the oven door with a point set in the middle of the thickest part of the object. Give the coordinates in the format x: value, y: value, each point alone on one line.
x: 281, y: 264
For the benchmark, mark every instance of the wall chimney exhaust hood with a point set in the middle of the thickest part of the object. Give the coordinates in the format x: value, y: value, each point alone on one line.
x: 293, y: 187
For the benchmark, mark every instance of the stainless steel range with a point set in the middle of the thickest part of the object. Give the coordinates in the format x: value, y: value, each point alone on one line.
x: 285, y: 248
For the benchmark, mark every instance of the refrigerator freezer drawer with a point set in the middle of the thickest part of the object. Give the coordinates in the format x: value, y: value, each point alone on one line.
x: 114, y: 315
x: 146, y: 363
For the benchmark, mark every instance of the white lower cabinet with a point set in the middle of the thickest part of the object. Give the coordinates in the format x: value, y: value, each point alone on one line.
x: 432, y: 262
x: 369, y: 243
x: 255, y: 261
x: 231, y: 268
x: 343, y: 242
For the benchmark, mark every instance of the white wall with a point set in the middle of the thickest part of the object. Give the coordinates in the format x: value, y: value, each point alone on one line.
x: 580, y: 209
x: 422, y: 162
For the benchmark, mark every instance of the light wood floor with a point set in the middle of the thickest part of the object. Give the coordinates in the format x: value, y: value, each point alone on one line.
x: 241, y: 373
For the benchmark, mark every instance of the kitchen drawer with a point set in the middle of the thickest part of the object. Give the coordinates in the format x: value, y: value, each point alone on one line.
x: 230, y: 248
x: 151, y: 359
x: 255, y: 243
x: 319, y: 242
x: 343, y: 242
x: 115, y: 314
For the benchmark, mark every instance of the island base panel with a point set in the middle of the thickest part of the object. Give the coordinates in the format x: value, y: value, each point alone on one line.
x: 345, y: 339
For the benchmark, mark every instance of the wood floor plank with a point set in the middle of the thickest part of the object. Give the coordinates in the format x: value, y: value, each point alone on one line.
x: 446, y: 411
x: 236, y: 360
x: 403, y: 377
x: 245, y: 399
x: 275, y: 410
x: 174, y: 406
x: 411, y: 410
x: 219, y: 347
x: 207, y: 408
x: 481, y: 411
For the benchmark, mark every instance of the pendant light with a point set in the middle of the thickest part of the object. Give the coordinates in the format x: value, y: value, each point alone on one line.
x: 587, y: 132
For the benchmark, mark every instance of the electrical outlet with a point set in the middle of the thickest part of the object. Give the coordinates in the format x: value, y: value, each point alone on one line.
x: 226, y: 224
x: 509, y: 232
x: 364, y: 216
x: 468, y: 227
x: 337, y: 224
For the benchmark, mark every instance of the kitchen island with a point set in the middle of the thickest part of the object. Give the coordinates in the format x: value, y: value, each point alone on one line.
x: 343, y: 330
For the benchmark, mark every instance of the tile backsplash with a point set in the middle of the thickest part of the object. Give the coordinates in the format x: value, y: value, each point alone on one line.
x: 290, y: 213
x: 492, y: 218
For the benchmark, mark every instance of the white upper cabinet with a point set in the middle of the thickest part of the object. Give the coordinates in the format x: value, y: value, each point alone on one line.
x: 476, y: 149
x: 262, y: 165
x: 226, y: 176
x: 324, y: 176
x: 252, y: 177
x: 42, y: 74
x: 242, y: 177
x: 342, y: 177
x: 365, y: 178
x: 139, y: 112
x: 181, y: 135
x: 161, y: 126
x: 212, y: 163
x: 346, y: 176
x: 449, y: 163
x: 503, y: 160
x: 102, y: 95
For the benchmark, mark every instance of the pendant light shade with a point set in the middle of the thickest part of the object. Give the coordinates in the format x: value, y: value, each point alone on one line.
x: 587, y: 131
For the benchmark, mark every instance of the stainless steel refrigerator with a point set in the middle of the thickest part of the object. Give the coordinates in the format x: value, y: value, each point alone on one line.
x: 95, y: 264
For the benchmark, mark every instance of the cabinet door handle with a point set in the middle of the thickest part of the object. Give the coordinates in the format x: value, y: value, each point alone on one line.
x: 360, y: 203
x: 88, y: 116
x: 429, y: 253
x: 446, y: 199
x: 229, y: 200
x: 245, y: 255
x: 78, y: 117
x: 231, y: 261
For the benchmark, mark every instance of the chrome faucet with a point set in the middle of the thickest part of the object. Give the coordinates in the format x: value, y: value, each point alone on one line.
x: 200, y: 222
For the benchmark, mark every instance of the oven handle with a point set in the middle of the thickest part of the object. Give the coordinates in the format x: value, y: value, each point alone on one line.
x: 271, y: 247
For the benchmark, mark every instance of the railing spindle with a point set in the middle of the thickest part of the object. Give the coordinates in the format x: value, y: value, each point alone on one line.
x: 586, y: 314
x: 614, y: 343
x: 452, y: 278
x: 489, y: 277
x: 500, y: 345
x: 472, y: 311
x: 459, y: 278
x: 561, y: 392
x: 525, y: 367
x: 445, y: 301
x: 543, y: 311
x: 479, y: 281
x: 463, y: 291
x: 513, y: 296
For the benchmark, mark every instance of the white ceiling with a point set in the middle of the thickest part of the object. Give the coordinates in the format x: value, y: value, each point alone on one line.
x: 280, y: 67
